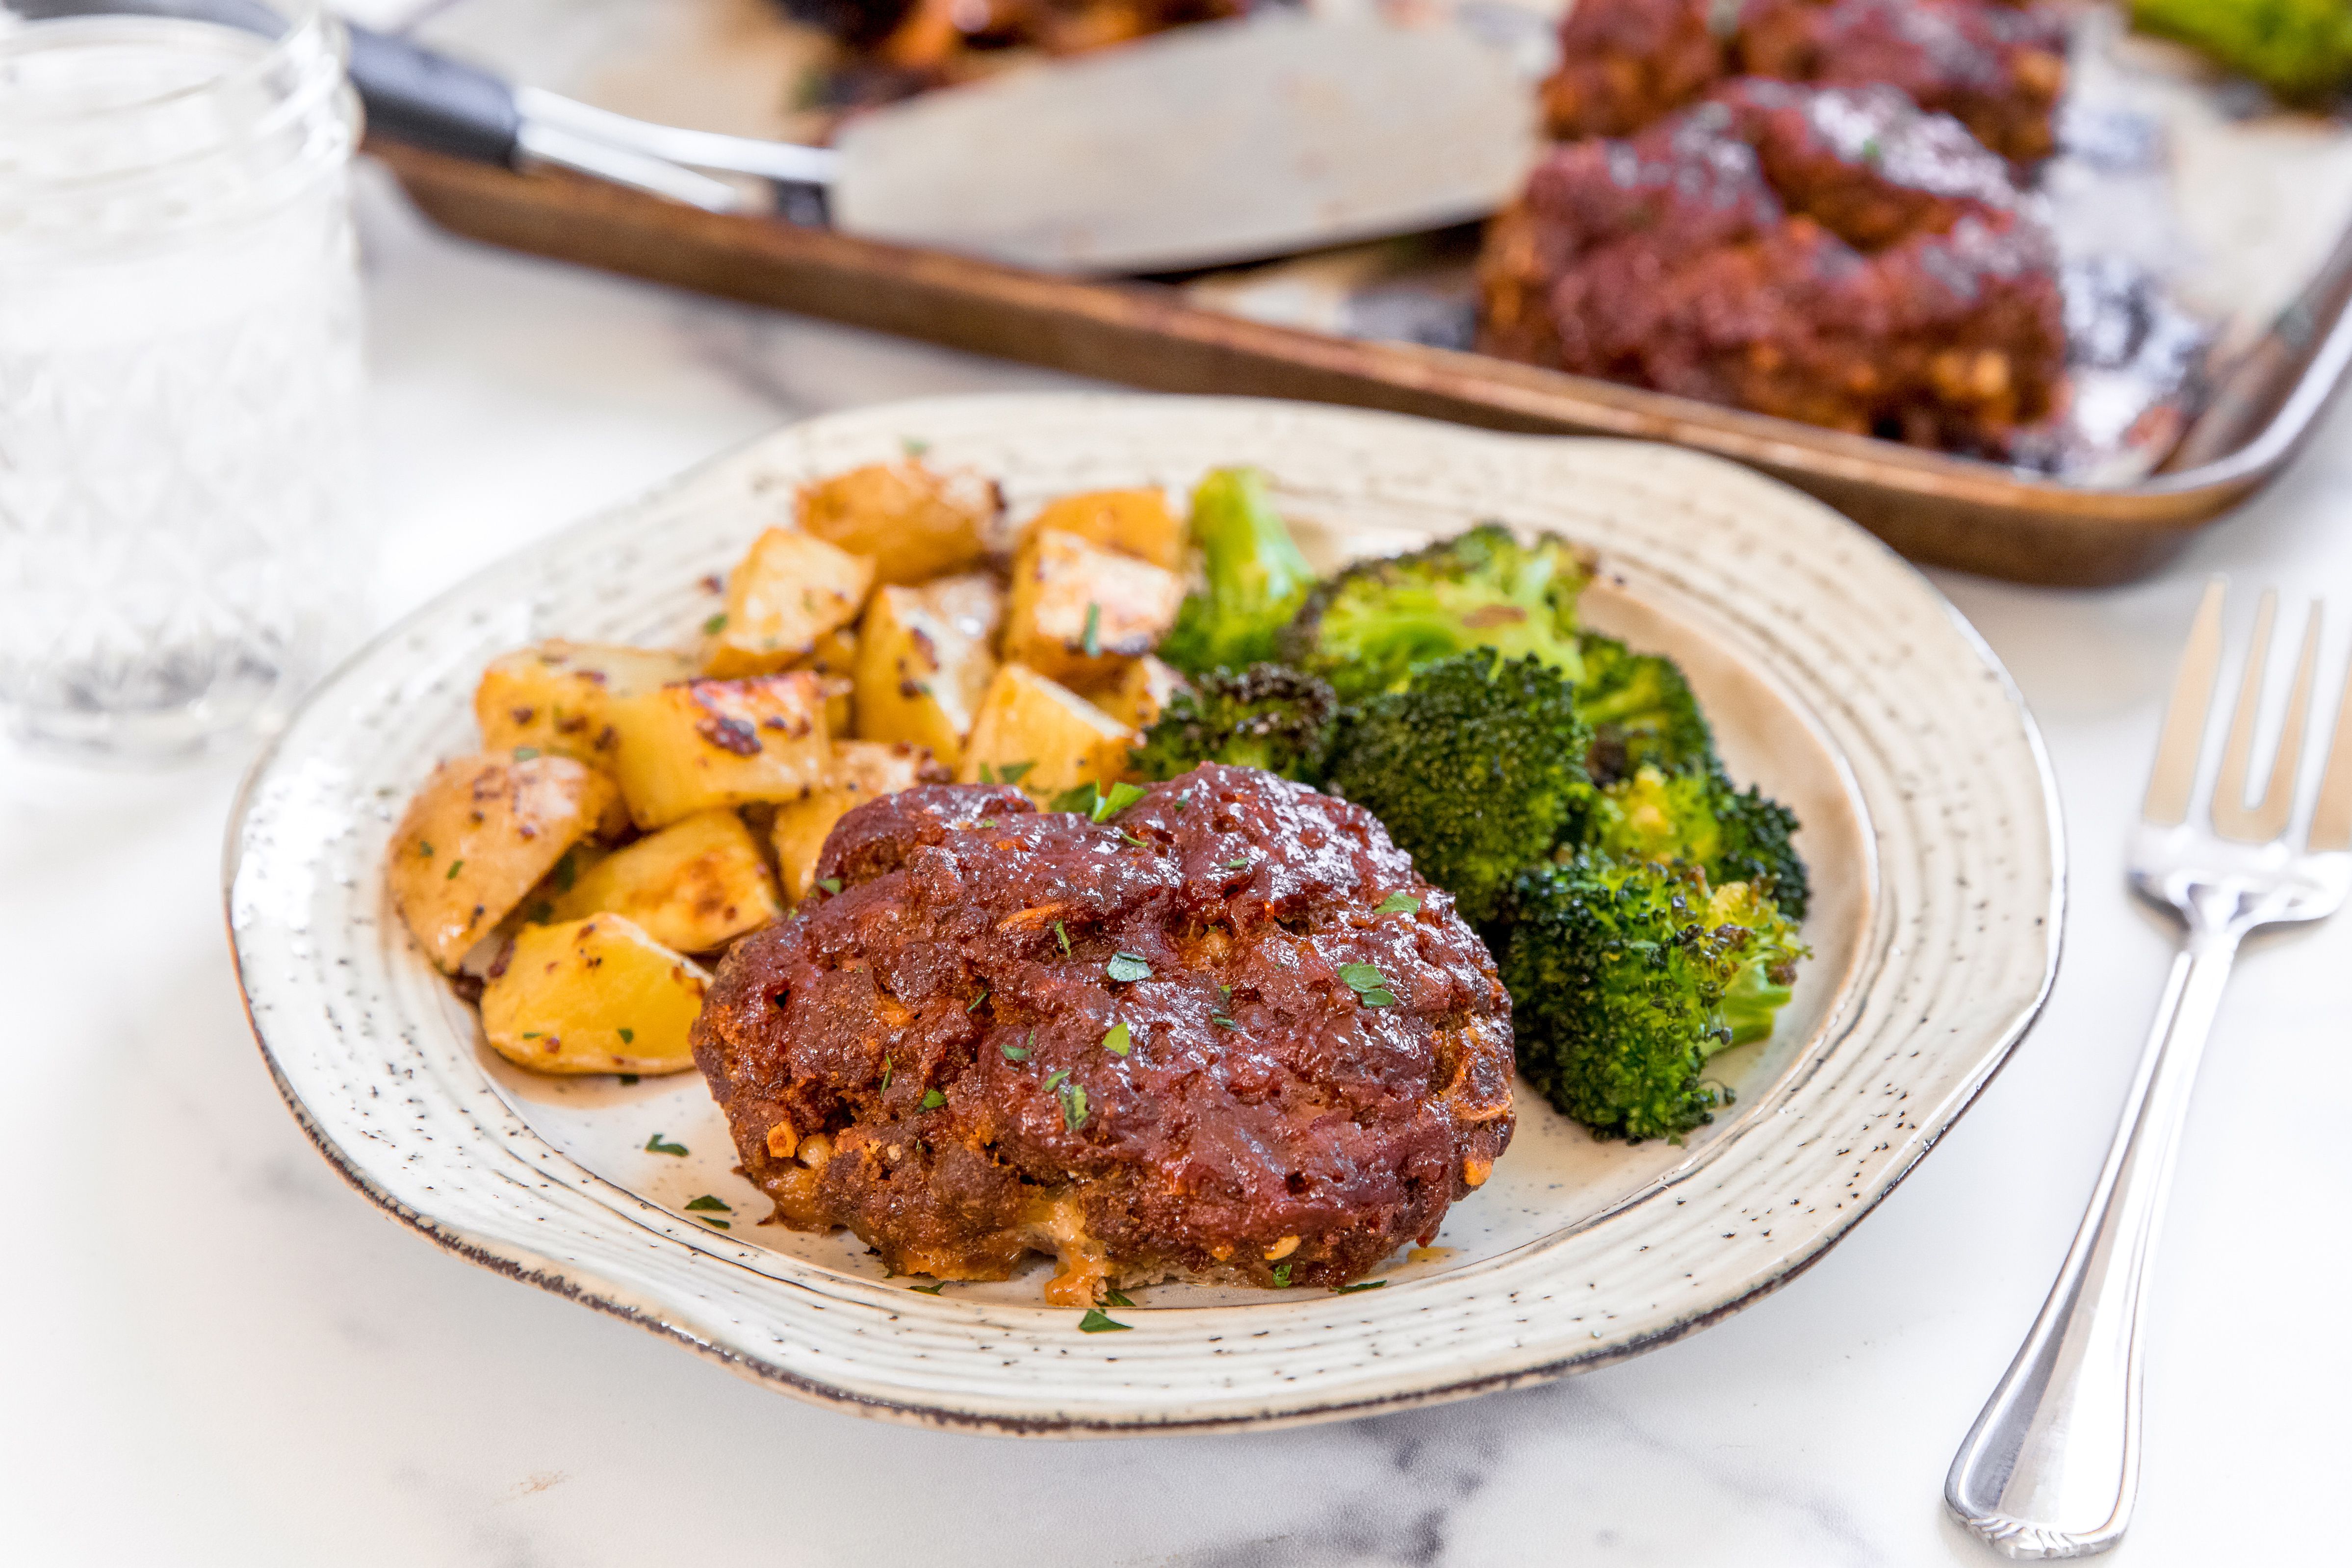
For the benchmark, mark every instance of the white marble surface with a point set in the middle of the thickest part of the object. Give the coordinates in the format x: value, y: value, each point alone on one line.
x: 218, y: 1354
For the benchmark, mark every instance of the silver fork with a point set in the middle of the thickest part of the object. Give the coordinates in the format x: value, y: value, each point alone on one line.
x: 2052, y: 1465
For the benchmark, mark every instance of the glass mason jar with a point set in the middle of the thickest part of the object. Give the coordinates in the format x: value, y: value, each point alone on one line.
x: 179, y: 377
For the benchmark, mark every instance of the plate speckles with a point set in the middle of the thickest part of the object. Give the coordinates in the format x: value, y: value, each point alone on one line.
x: 1838, y: 677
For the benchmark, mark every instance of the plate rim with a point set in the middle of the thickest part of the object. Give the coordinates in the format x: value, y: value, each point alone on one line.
x: 587, y: 1286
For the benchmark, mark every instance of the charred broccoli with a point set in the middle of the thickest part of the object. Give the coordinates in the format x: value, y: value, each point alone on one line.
x: 1367, y: 630
x: 1642, y: 712
x: 1626, y: 975
x: 1255, y: 577
x: 2299, y: 49
x: 1734, y: 836
x: 1268, y: 717
x: 1476, y: 769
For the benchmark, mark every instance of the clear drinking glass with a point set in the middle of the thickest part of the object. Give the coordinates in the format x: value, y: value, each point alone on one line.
x: 179, y: 377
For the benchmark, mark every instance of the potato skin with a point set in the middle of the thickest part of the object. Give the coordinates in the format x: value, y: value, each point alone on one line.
x: 1079, y: 613
x: 695, y: 885
x: 556, y: 695
x: 592, y: 995
x: 1064, y: 739
x: 787, y: 593
x: 925, y: 656
x: 915, y: 521
x: 698, y: 743
x: 479, y: 835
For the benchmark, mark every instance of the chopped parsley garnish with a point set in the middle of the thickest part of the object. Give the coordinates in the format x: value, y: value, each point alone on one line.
x: 1238, y: 865
x: 532, y: 1034
x: 525, y: 753
x: 1224, y: 990
x: 720, y: 1224
x: 425, y: 849
x: 657, y: 1145
x: 1054, y: 1078
x: 454, y: 867
x: 627, y: 1079
x: 1131, y: 839
x: 1372, y: 987
x: 715, y: 625
x: 1116, y: 1041
x: 1222, y: 1022
x: 913, y: 445
x: 1016, y: 1052
x: 1090, y: 640
x: 886, y: 1072
x: 1081, y: 798
x: 830, y: 883
x: 1013, y: 772
x: 1398, y: 903
x: 1074, y: 1105
x: 1121, y: 795
x: 974, y: 1006
x: 1184, y: 798
x: 1127, y: 966
x: 933, y: 1100
x: 1282, y: 1276
x: 567, y: 870
x: 1115, y: 1297
x: 988, y: 823
x: 715, y: 1204
x: 1064, y: 936
x: 1359, y: 1285
x: 541, y: 912
x: 628, y: 1036
x: 1095, y: 1323
x: 933, y: 1289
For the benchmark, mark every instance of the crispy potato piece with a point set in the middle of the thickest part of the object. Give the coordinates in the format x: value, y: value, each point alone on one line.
x: 479, y: 835
x: 924, y: 660
x: 787, y: 594
x: 1078, y: 612
x: 863, y: 769
x: 692, y: 886
x: 915, y: 521
x: 1141, y: 689
x: 592, y: 995
x: 555, y: 696
x: 835, y: 659
x: 698, y: 743
x: 1133, y: 522
x: 1044, y: 734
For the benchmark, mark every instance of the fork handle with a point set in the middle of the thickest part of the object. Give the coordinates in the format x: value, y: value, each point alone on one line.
x: 2052, y: 1465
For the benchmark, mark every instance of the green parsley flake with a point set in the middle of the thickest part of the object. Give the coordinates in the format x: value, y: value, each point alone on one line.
x: 1132, y: 839
x: 454, y: 867
x: 913, y: 445
x: 1398, y: 903
x: 1114, y: 1297
x: 1222, y: 1022
x: 1074, y: 1106
x: 886, y: 1072
x: 1054, y: 1078
x: 1016, y: 1052
x: 1090, y: 640
x: 657, y: 1145
x: 715, y: 625
x: 1080, y: 797
x: 1120, y: 798
x: 1116, y: 1041
x: 831, y: 885
x: 525, y: 753
x: 1095, y: 1323
x: 1224, y: 990
x: 715, y: 1204
x: 425, y: 849
x: 719, y: 1224
x: 567, y: 870
x: 541, y: 912
x: 1238, y: 865
x: 628, y: 1036
x: 988, y: 823
x: 933, y: 1289
x: 1127, y: 966
x: 1184, y: 798
x: 1359, y: 1285
x: 627, y: 1079
x: 987, y: 774
x: 974, y: 1006
x: 1282, y: 1276
x: 1013, y: 772
x: 1064, y: 937
x: 933, y: 1100
x: 1362, y: 978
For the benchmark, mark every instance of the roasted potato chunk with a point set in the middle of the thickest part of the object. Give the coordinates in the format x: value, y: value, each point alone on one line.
x: 1079, y: 612
x: 863, y: 769
x: 695, y: 885
x: 698, y: 744
x: 915, y: 521
x: 835, y: 659
x: 1132, y: 522
x: 1140, y: 690
x: 924, y: 660
x: 1042, y: 735
x: 479, y: 836
x: 787, y: 594
x: 555, y: 696
x: 592, y: 995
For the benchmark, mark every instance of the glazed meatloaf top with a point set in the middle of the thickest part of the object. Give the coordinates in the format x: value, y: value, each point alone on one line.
x: 1199, y: 1039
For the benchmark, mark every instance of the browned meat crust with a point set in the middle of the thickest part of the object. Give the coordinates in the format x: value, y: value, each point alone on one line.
x: 921, y: 1059
x: 1999, y: 69
x: 1833, y: 255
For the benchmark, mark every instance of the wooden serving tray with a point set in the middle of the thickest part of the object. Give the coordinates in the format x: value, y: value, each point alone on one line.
x: 1940, y: 510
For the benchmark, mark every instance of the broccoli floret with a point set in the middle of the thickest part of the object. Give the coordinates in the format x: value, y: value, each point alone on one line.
x: 1476, y: 769
x: 1268, y: 717
x: 1733, y: 836
x: 1626, y: 977
x: 1642, y: 712
x: 1255, y: 577
x: 1367, y: 630
x: 2299, y: 49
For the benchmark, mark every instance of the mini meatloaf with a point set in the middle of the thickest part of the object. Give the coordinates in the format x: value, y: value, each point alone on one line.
x: 1833, y: 255
x: 1203, y: 1040
x: 1999, y: 69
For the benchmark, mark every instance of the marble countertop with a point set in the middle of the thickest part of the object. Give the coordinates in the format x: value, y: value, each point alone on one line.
x: 217, y: 1353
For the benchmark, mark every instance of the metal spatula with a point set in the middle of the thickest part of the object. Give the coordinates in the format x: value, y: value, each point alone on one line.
x: 1225, y: 142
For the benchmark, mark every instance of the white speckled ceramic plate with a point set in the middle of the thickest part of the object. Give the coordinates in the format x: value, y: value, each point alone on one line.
x: 1836, y: 676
